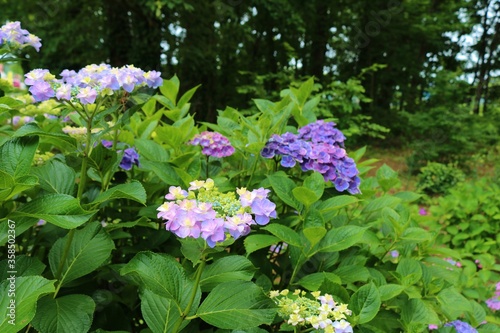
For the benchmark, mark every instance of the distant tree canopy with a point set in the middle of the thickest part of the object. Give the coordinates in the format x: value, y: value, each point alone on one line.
x: 239, y: 49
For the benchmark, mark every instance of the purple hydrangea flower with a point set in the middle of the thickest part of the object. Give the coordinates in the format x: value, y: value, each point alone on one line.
x: 41, y: 91
x: 13, y: 35
x: 461, y: 327
x: 213, y: 144
x: 319, y: 147
x: 92, y: 81
x: 206, y: 213
x: 130, y: 156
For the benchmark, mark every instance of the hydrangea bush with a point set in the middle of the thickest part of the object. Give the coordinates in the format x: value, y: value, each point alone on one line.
x: 114, y: 220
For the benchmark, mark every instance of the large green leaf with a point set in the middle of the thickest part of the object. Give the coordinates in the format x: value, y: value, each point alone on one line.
x: 164, y: 276
x: 60, y: 209
x: 17, y: 155
x: 341, y: 238
x: 27, y: 291
x: 365, y: 303
x: 315, y: 280
x: 283, y: 187
x: 164, y: 171
x: 257, y: 242
x: 90, y: 247
x: 316, y: 183
x: 330, y: 207
x: 151, y: 150
x: 70, y: 313
x: 416, y: 312
x: 226, y: 269
x: 237, y: 305
x: 56, y: 177
x: 58, y: 139
x: 314, y: 227
x: 284, y: 233
x: 453, y: 303
x: 162, y: 314
x: 133, y: 191
x: 306, y: 196
x: 10, y: 186
x: 410, y: 271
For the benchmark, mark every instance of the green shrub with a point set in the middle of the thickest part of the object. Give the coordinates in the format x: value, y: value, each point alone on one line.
x: 438, y: 178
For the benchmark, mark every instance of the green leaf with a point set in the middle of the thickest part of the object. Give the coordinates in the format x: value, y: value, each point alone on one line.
x: 231, y: 268
x: 164, y: 171
x: 61, y: 210
x: 27, y: 291
x: 237, y: 305
x: 9, y: 103
x: 257, y: 242
x: 90, y: 247
x: 17, y: 155
x: 23, y: 265
x: 388, y: 291
x: 416, y: 311
x: 10, y: 186
x: 387, y: 178
x: 132, y: 191
x: 58, y: 139
x: 160, y: 313
x: 187, y: 96
x: 56, y: 177
x: 410, y: 271
x: 330, y: 207
x: 170, y: 88
x: 151, y: 150
x: 341, y: 238
x: 284, y: 233
x: 417, y: 235
x: 283, y: 187
x: 314, y: 227
x: 407, y: 196
x: 70, y: 313
x: 305, y: 195
x: 365, y: 303
x: 316, y: 183
x: 148, y: 271
x: 381, y: 202
x: 453, y: 303
x: 313, y: 281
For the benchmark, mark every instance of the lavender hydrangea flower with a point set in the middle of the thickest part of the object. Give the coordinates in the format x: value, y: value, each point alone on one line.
x: 204, y: 212
x: 91, y: 82
x: 213, y: 144
x: 461, y: 327
x: 13, y: 35
x: 319, y: 147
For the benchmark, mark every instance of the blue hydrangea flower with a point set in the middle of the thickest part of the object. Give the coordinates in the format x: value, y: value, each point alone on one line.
x: 320, y: 147
x: 461, y: 327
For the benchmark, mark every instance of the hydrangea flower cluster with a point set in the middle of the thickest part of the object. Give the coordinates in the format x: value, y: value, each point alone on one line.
x: 320, y: 311
x: 213, y: 144
x: 130, y: 156
x: 92, y: 81
x: 203, y: 211
x: 494, y: 302
x: 317, y: 146
x: 12, y: 35
x: 461, y: 327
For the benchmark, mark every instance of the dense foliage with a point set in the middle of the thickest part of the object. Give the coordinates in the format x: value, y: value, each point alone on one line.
x: 122, y: 213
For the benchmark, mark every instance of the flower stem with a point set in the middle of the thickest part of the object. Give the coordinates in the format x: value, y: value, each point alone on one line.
x: 197, y: 279
x: 81, y: 187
